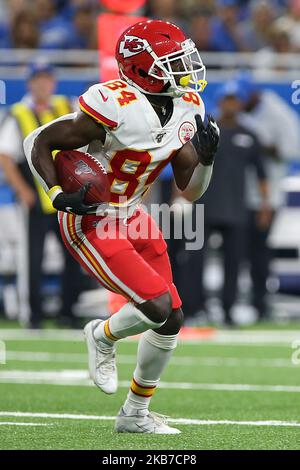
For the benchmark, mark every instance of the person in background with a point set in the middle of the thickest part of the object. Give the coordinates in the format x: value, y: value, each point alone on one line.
x: 290, y: 22
x: 54, y: 29
x: 225, y: 36
x: 277, y: 127
x: 256, y: 30
x: 200, y: 28
x: 225, y: 205
x: 273, y: 57
x: 38, y: 107
x: 68, y: 7
x: 24, y: 31
x: 83, y: 30
x: 167, y: 10
x: 18, y: 25
x: 10, y: 8
x: 4, y: 33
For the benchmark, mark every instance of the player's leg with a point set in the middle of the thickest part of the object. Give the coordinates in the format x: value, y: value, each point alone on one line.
x: 116, y: 264
x: 154, y: 352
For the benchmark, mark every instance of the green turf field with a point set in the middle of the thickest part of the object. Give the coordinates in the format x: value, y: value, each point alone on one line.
x: 238, y: 392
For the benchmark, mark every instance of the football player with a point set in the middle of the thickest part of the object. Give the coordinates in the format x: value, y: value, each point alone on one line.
x: 149, y: 117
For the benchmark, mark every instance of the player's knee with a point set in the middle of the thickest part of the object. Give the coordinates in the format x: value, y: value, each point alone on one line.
x: 174, y: 323
x: 158, y: 309
x: 178, y: 319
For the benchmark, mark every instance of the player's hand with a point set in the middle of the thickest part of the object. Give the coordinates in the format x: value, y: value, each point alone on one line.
x: 206, y: 139
x: 74, y: 202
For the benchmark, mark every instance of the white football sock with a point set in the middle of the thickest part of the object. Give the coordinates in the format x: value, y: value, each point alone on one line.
x: 128, y: 321
x: 154, y: 353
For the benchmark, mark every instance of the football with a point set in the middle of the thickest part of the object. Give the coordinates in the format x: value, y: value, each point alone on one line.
x: 75, y: 169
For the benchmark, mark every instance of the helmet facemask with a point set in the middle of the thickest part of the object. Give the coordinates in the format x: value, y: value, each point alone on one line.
x: 183, y: 70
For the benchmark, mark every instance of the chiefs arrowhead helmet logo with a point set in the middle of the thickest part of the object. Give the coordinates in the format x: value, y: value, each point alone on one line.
x: 132, y: 45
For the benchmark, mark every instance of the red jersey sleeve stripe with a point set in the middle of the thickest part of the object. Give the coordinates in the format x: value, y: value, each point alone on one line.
x: 97, y: 116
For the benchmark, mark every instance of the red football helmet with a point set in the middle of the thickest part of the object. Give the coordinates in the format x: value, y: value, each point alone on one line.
x: 157, y: 58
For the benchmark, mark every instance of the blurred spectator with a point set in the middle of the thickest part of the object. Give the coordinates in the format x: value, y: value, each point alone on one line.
x: 272, y: 57
x: 256, y: 30
x: 10, y: 8
x: 164, y: 9
x: 291, y: 23
x: 225, y: 204
x: 226, y: 36
x: 38, y: 107
x: 3, y: 11
x: 17, y: 24
x: 4, y: 33
x: 69, y: 7
x: 215, y: 25
x: 24, y: 32
x: 189, y: 6
x: 83, y: 31
x: 54, y: 29
x: 276, y: 125
x: 280, y: 40
x: 200, y: 29
x: 167, y: 10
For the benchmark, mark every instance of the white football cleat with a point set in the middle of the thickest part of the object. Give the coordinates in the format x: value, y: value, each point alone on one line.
x: 102, y: 360
x: 150, y: 423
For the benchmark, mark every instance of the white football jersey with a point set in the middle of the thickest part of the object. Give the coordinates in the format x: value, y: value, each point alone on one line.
x: 137, y: 146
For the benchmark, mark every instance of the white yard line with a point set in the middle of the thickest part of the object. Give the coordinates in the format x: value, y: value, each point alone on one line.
x: 11, y: 423
x: 39, y: 356
x: 238, y: 337
x: 209, y: 361
x: 80, y: 378
x: 183, y: 421
x: 39, y: 335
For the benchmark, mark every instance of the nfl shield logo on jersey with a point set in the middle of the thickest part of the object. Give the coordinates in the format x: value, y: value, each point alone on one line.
x: 186, y: 131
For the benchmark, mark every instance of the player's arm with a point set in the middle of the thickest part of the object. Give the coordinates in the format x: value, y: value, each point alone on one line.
x: 64, y: 135
x: 184, y: 164
x: 192, y: 166
x: 67, y: 134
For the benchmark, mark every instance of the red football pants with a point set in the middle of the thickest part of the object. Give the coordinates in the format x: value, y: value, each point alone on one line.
x: 127, y: 256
